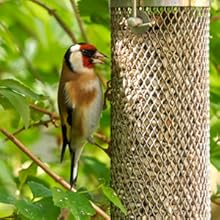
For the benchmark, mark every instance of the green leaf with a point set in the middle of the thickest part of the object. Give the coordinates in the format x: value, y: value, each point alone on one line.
x: 90, y: 8
x: 30, y: 171
x: 29, y: 210
x: 85, y: 192
x: 112, y: 196
x: 59, y: 197
x: 79, y: 205
x: 92, y: 166
x: 19, y: 88
x: 48, y: 209
x: 95, y: 33
x: 215, y: 153
x: 215, y: 127
x: 19, y: 103
x: 39, y: 190
x: 216, y: 162
x: 6, y: 178
x: 6, y: 197
x: 218, y: 189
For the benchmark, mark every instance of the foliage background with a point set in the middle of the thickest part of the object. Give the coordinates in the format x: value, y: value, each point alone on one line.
x: 32, y: 44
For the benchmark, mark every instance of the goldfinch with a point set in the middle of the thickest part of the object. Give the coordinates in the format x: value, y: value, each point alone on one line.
x: 80, y: 100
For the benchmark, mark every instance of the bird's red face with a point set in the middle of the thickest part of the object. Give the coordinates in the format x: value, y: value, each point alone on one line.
x: 90, y: 55
x: 83, y: 55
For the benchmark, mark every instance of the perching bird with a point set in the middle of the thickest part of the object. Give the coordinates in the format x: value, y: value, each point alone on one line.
x: 80, y: 100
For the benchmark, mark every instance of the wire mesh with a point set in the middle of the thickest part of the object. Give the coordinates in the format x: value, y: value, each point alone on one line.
x: 160, y: 114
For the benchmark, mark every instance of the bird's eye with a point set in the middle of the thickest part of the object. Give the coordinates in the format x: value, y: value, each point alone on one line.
x: 84, y: 52
x: 88, y: 53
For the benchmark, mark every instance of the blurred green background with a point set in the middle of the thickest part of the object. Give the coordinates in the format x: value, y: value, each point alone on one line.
x: 32, y: 44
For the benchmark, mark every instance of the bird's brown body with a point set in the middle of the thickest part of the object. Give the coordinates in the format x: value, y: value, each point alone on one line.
x: 75, y: 83
x: 80, y: 105
x: 72, y: 87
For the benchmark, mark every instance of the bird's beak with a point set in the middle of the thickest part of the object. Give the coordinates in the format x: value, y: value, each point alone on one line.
x: 98, y: 57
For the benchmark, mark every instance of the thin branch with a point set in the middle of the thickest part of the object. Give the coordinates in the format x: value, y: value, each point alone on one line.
x: 107, y: 150
x: 215, y: 18
x: 215, y: 201
x: 57, y: 17
x: 53, y: 118
x: 35, y: 124
x: 91, y: 141
x: 46, y: 169
x: 102, y: 137
x: 79, y: 20
x: 52, y: 115
x: 13, y: 216
x: 35, y: 159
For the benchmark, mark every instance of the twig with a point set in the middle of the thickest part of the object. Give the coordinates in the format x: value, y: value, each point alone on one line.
x: 91, y: 141
x: 53, y: 118
x: 79, y: 21
x: 57, y: 17
x: 215, y: 202
x: 45, y: 123
x: 53, y: 175
x: 215, y: 18
x: 107, y: 150
x: 13, y: 216
x: 35, y: 159
x: 52, y: 115
x: 102, y: 137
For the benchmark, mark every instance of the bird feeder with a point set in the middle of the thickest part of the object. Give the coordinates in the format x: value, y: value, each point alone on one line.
x: 160, y: 109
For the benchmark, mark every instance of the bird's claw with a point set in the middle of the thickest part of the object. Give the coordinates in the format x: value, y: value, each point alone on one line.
x: 107, y: 94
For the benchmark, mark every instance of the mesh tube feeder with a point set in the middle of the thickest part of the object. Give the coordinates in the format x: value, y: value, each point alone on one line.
x: 160, y: 109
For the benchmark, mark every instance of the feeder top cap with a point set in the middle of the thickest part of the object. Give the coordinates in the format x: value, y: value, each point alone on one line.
x: 161, y: 3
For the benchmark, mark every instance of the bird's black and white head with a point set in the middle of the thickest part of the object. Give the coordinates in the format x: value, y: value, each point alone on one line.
x: 82, y: 57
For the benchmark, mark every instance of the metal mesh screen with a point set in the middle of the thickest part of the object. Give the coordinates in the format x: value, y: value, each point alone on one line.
x: 160, y: 114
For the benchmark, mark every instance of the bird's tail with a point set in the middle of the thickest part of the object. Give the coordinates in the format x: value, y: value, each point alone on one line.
x: 73, y: 169
x: 75, y: 154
